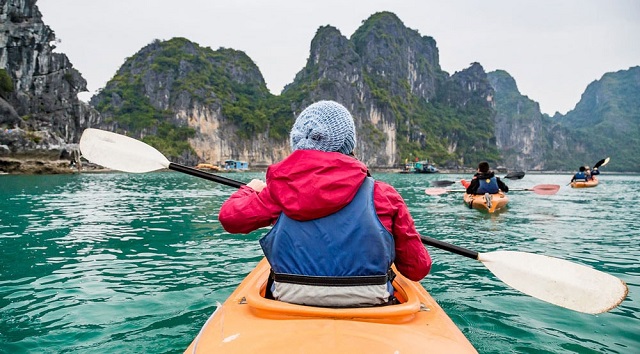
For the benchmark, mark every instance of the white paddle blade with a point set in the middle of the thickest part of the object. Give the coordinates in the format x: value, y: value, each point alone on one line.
x: 119, y: 152
x: 560, y: 282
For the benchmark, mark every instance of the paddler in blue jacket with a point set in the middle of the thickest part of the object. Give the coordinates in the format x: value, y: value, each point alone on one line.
x: 581, y: 175
x: 485, y: 181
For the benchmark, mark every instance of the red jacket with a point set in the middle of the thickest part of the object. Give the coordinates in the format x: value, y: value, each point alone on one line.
x: 310, y: 184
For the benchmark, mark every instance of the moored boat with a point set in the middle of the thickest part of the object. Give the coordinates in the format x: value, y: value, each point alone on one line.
x: 208, y: 166
x: 486, y: 202
x: 248, y: 322
x: 424, y: 167
x: 585, y: 184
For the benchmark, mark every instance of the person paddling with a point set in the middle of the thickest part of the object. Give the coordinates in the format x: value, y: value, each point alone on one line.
x: 336, y: 231
x: 591, y: 173
x: 581, y: 175
x: 485, y: 181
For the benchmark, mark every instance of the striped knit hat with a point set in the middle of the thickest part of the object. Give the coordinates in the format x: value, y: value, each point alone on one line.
x: 325, y: 126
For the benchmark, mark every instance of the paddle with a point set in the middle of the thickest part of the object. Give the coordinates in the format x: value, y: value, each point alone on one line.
x: 515, y: 175
x: 557, y: 281
x: 122, y: 153
x: 542, y: 189
x: 445, y: 183
x: 601, y: 163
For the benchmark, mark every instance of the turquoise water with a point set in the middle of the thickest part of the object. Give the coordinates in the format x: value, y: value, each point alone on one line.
x: 115, y: 263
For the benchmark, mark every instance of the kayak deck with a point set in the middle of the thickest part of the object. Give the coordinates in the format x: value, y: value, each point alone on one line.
x: 585, y: 184
x: 249, y: 323
x: 495, y: 202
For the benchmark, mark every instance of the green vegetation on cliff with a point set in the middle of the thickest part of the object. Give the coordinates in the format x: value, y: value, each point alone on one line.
x: 6, y: 84
x: 390, y: 77
x: 606, y: 121
x: 148, y: 89
x: 436, y: 117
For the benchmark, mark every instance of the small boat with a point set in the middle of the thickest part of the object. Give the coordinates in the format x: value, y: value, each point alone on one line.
x: 419, y: 167
x: 247, y: 322
x: 424, y: 167
x: 486, y: 202
x: 233, y: 165
x: 585, y: 184
x: 207, y: 166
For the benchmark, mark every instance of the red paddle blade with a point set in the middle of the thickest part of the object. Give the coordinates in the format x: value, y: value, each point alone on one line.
x: 546, y: 189
x: 435, y: 191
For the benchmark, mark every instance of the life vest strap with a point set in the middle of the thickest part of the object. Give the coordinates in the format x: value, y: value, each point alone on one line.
x: 334, y: 281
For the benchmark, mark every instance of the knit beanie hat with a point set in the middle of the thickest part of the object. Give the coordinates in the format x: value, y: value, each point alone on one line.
x: 325, y: 126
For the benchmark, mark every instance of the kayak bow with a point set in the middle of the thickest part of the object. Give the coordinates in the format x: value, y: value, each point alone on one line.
x: 489, y: 202
x: 247, y: 322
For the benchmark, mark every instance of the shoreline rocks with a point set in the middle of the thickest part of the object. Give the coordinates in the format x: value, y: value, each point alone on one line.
x: 35, y: 166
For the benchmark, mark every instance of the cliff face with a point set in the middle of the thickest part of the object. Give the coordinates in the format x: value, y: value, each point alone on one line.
x: 520, y: 127
x: 199, y: 105
x: 606, y: 120
x: 214, y: 97
x: 404, y: 105
x: 334, y: 71
x: 41, y: 114
x: 387, y: 75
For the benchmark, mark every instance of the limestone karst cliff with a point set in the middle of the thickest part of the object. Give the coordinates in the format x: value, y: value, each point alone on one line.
x: 196, y: 104
x: 389, y: 76
x: 40, y: 115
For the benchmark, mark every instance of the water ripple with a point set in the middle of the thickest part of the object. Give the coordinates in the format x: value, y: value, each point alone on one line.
x: 117, y: 262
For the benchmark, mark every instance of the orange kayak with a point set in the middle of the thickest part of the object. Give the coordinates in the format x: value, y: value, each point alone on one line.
x: 489, y: 203
x: 247, y: 322
x: 585, y: 184
x: 486, y: 202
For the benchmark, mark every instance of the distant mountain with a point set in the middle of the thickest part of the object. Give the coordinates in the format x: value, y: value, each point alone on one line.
x: 196, y: 104
x: 40, y: 114
x: 389, y: 76
x: 606, y: 121
x: 520, y: 128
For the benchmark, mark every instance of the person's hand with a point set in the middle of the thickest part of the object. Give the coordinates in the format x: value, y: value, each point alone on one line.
x: 256, y: 185
x: 595, y: 168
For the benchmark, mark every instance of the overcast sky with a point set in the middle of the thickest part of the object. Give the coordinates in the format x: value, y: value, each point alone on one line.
x: 552, y: 48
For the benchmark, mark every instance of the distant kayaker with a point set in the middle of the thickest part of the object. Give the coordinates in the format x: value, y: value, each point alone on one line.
x: 581, y: 175
x: 336, y: 231
x: 593, y: 173
x: 485, y: 181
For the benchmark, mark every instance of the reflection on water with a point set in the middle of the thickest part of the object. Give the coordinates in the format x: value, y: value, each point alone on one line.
x: 119, y: 262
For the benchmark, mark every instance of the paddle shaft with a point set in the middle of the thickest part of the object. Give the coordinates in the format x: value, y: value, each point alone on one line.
x: 205, y: 175
x: 449, y: 247
x: 443, y: 183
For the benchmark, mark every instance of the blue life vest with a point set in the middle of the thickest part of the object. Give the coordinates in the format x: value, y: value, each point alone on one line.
x: 488, y: 185
x: 580, y: 175
x: 340, y: 260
